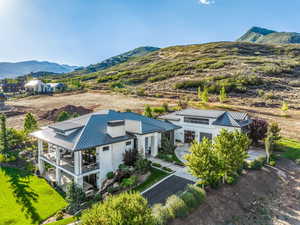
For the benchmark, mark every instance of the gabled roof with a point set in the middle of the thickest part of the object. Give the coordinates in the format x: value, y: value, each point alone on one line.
x: 223, y: 118
x: 90, y: 130
x: 226, y: 120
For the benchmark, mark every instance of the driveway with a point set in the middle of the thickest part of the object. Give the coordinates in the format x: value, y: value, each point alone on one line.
x: 182, y: 150
x: 166, y: 188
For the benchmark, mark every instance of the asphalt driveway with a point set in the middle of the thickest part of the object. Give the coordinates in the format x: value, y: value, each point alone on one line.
x: 160, y: 192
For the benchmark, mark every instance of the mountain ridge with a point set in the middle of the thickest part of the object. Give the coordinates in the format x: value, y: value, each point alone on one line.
x: 266, y: 36
x: 14, y: 69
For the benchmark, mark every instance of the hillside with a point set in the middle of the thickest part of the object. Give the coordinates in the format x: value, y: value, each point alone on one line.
x: 115, y: 60
x: 265, y: 36
x: 265, y: 73
x: 11, y: 70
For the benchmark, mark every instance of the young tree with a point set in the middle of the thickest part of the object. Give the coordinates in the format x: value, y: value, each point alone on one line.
x: 165, y: 106
x: 203, y: 163
x: 270, y: 141
x: 223, y: 95
x: 148, y: 111
x: 284, y: 107
x: 258, y: 130
x: 274, y: 130
x: 130, y: 157
x: 269, y: 146
x: 231, y: 149
x: 75, y: 197
x: 204, y: 95
x: 123, y: 209
x: 166, y: 145
x: 4, y: 141
x: 30, y: 123
x: 62, y: 116
x: 199, y: 93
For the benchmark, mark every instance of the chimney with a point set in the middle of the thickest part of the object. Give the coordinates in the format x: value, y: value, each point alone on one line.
x: 133, y: 126
x: 116, y: 128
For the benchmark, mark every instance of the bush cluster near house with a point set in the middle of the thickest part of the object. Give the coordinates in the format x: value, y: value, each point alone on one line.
x: 213, y: 162
x: 125, y: 208
x: 178, y: 206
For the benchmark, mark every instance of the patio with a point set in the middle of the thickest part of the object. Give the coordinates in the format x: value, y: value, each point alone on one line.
x: 254, y: 153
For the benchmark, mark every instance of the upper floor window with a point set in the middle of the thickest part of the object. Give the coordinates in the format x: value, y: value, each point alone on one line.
x: 106, y: 148
x: 196, y: 120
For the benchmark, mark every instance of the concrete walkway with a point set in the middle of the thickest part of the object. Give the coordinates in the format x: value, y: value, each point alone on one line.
x: 180, y: 171
x: 253, y: 153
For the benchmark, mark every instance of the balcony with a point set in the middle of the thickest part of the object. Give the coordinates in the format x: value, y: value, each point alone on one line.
x: 67, y: 163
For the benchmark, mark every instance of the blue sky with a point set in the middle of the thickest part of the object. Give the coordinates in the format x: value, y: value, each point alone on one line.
x: 81, y: 32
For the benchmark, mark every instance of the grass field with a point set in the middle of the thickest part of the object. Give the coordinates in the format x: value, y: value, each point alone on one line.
x: 290, y: 148
x: 26, y: 199
x: 156, y: 175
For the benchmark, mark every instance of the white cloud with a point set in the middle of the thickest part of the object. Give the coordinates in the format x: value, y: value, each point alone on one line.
x: 206, y: 2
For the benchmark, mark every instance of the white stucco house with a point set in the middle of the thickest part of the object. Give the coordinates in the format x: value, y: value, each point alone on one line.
x: 37, y: 86
x: 86, y: 148
x: 196, y: 124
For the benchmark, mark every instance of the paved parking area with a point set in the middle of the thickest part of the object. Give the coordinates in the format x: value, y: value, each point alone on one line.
x: 171, y: 185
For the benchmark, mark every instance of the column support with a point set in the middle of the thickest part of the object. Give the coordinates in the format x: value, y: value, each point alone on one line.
x: 41, y: 163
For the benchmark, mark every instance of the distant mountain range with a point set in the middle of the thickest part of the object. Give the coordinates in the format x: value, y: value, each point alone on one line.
x: 11, y: 70
x: 265, y: 36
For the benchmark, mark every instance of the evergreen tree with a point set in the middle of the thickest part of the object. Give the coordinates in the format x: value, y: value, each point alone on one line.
x: 165, y: 106
x: 75, y: 197
x: 204, y: 95
x: 4, y: 141
x: 199, y: 93
x: 148, y: 111
x: 30, y: 123
x: 223, y: 95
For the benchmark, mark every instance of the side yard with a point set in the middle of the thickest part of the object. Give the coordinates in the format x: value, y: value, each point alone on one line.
x: 26, y: 199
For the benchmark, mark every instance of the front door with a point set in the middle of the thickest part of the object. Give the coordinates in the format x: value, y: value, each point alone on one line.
x: 147, y: 146
x: 189, y: 136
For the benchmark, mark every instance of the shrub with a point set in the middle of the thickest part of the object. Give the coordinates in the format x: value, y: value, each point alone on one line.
x: 59, y: 215
x: 142, y: 165
x: 110, y: 175
x: 231, y: 179
x: 189, y: 199
x: 156, y: 165
x: 140, y: 92
x: 161, y: 214
x: 272, y: 163
x: 125, y: 208
x: 258, y: 130
x: 256, y: 164
x: 130, y: 157
x: 198, y: 193
x: 167, y: 169
x: 177, y: 206
x: 2, y: 158
x: 129, y: 182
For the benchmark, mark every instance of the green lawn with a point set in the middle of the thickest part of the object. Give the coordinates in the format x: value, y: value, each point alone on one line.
x: 156, y: 175
x: 290, y: 148
x: 26, y: 199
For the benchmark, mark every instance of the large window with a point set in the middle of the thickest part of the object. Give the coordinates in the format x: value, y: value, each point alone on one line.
x: 196, y: 120
x: 205, y: 135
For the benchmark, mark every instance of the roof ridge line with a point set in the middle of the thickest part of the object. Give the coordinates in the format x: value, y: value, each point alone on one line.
x: 84, y: 128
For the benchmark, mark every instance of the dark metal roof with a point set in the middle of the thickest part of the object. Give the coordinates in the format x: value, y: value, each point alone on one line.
x: 223, y: 118
x: 91, y: 130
